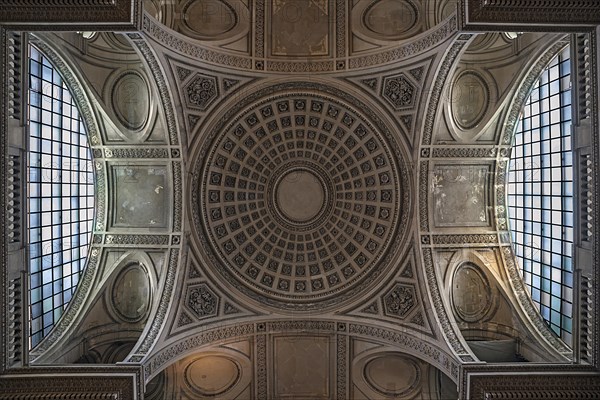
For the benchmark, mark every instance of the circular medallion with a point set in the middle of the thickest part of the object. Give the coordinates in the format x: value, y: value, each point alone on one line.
x: 209, y: 18
x: 391, y: 19
x: 392, y: 375
x: 299, y: 196
x: 212, y: 375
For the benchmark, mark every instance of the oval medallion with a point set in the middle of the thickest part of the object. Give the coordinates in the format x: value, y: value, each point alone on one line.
x: 391, y: 18
x: 392, y: 375
x: 131, y: 100
x: 131, y: 293
x: 471, y: 293
x: 212, y: 375
x: 209, y: 18
x: 470, y: 100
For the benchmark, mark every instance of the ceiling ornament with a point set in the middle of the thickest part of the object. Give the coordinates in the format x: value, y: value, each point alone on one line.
x: 299, y: 197
x: 202, y: 301
x: 399, y: 301
x: 265, y: 48
x: 399, y: 91
x: 400, y: 88
x: 200, y: 91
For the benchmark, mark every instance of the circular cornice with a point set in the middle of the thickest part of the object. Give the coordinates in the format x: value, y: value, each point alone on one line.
x: 300, y: 196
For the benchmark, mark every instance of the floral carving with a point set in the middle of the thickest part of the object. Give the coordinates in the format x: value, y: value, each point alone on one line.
x: 399, y: 91
x: 399, y: 301
x: 202, y: 301
x: 201, y: 91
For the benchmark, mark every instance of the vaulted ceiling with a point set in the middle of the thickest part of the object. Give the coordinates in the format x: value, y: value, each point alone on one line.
x: 300, y: 199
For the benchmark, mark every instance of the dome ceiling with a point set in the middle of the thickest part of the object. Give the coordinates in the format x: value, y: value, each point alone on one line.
x: 313, y: 160
x: 301, y: 196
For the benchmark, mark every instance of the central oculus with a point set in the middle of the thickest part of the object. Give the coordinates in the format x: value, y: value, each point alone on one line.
x: 300, y: 195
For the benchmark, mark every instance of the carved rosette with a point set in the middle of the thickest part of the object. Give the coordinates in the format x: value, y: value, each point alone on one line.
x: 300, y: 197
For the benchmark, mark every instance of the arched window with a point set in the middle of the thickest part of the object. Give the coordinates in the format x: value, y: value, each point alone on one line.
x: 540, y: 195
x: 60, y: 195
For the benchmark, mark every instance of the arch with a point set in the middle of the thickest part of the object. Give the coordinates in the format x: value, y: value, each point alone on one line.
x: 540, y: 195
x: 61, y: 193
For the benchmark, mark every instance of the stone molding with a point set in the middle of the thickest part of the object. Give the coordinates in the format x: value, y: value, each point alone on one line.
x: 169, y: 39
x: 260, y: 330
x: 526, y: 15
x: 4, y: 168
x: 89, y: 15
x: 81, y: 383
x: 545, y: 381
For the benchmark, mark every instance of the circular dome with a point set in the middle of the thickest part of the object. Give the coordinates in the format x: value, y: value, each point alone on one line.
x: 299, y: 197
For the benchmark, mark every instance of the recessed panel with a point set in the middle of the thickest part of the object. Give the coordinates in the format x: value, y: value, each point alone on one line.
x: 212, y: 375
x: 392, y: 375
x: 209, y: 18
x: 460, y: 195
x: 140, y: 196
x: 391, y: 19
x: 301, y: 367
x: 471, y: 295
x: 300, y: 27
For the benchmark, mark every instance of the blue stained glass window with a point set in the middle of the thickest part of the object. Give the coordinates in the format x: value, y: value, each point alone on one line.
x: 540, y: 195
x: 60, y: 195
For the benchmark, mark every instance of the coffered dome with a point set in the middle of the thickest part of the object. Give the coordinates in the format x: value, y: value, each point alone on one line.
x: 300, y: 197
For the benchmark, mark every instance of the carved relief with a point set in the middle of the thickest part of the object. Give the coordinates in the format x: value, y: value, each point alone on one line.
x: 400, y: 301
x: 220, y: 371
x: 399, y: 91
x: 381, y: 371
x: 202, y: 301
x: 379, y: 23
x: 131, y: 100
x: 220, y: 22
x: 391, y: 19
x: 207, y: 19
x: 201, y: 91
x: 470, y: 100
x: 212, y: 375
x: 393, y: 375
